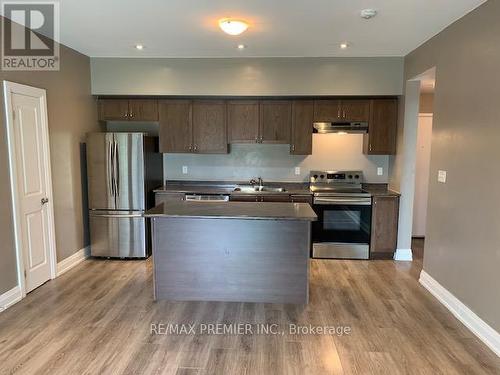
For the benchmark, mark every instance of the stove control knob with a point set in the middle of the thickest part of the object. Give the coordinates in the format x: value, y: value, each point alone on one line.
x: 356, y: 176
x: 315, y: 176
x: 322, y: 176
x: 350, y: 177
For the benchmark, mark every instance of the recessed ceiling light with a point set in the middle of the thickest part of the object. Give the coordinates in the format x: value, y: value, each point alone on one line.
x: 368, y: 13
x: 140, y: 47
x: 344, y: 45
x: 241, y: 46
x: 232, y: 26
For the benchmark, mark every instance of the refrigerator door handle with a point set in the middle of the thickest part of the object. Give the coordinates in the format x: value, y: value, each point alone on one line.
x: 113, y: 168
x: 109, y: 168
x: 117, y: 170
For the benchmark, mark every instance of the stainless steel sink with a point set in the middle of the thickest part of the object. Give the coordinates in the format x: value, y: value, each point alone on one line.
x: 256, y: 189
x: 270, y: 189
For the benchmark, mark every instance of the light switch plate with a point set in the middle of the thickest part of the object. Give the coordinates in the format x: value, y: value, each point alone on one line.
x: 442, y: 176
x: 184, y: 169
x: 380, y: 171
x: 297, y: 171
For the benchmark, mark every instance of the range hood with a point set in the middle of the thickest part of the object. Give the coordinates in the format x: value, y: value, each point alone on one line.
x: 351, y: 127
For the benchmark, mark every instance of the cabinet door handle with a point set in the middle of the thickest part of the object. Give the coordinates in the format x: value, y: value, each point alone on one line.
x: 195, y: 148
x: 370, y: 146
x: 343, y: 113
x: 126, y: 114
x: 131, y: 114
x: 261, y: 139
x: 256, y: 139
x: 190, y: 147
x: 293, y: 147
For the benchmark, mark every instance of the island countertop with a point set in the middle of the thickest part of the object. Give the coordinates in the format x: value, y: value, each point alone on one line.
x: 234, y: 210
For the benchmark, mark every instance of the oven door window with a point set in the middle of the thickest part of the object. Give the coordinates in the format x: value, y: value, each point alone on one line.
x: 342, y: 223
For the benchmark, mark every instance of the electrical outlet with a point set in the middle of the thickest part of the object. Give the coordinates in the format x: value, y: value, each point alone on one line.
x: 442, y: 176
x: 297, y: 171
x: 380, y: 171
x: 184, y: 169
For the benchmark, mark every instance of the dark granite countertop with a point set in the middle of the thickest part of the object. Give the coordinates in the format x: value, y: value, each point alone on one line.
x: 380, y: 190
x: 234, y: 210
x: 227, y: 187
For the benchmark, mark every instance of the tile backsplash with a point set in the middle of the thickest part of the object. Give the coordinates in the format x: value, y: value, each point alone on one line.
x: 274, y: 162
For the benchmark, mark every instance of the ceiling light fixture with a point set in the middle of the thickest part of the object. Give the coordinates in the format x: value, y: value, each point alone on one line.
x: 344, y: 45
x: 140, y: 47
x: 368, y: 13
x: 232, y: 26
x: 241, y: 46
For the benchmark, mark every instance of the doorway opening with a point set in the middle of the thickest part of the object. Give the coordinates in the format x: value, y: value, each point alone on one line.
x: 422, y: 164
x: 413, y: 163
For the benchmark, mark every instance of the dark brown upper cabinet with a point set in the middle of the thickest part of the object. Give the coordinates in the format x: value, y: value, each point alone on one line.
x: 385, y: 214
x: 275, y: 121
x: 176, y: 130
x: 113, y: 109
x: 128, y: 109
x: 326, y: 110
x: 341, y: 110
x: 301, y: 134
x: 382, y: 128
x: 209, y: 127
x: 355, y: 110
x: 193, y: 126
x: 143, y: 110
x: 243, y: 121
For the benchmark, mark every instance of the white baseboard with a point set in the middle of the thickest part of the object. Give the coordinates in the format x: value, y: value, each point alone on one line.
x: 473, y: 322
x: 72, y: 261
x: 10, y: 297
x: 403, y: 254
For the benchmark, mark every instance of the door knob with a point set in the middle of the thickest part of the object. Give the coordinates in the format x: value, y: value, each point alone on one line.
x: 44, y: 200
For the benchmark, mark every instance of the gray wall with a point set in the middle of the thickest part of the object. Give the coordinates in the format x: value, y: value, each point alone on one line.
x: 72, y: 113
x: 274, y: 162
x: 462, y: 250
x: 254, y: 76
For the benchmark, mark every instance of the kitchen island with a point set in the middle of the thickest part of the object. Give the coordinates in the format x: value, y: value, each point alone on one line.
x: 231, y: 251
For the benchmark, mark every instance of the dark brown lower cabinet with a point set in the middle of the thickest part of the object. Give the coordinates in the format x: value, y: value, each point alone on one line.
x: 260, y: 198
x: 385, y: 214
x: 295, y: 198
x: 244, y: 198
x: 168, y: 197
x: 302, y: 199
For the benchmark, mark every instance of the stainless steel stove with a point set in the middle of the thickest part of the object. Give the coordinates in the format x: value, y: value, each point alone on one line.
x: 344, y: 215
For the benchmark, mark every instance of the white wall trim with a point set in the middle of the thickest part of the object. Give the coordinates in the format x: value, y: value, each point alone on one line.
x: 403, y: 255
x: 10, y: 297
x: 73, y: 260
x: 473, y: 322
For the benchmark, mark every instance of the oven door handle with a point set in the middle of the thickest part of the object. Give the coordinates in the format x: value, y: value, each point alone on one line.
x: 344, y: 201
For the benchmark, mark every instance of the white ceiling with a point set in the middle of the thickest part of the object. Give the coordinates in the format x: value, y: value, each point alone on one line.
x: 188, y: 28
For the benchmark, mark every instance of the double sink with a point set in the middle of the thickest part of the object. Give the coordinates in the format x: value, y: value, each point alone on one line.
x: 258, y: 188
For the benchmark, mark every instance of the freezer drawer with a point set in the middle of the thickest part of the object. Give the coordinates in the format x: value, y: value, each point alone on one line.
x: 116, y: 235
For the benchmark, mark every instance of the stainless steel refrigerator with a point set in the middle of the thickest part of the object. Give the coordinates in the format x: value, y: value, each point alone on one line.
x: 122, y: 171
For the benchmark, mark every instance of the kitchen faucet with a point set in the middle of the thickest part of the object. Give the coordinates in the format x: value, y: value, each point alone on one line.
x: 259, y: 180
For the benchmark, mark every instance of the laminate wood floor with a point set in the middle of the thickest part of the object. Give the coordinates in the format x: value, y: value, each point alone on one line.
x: 96, y: 319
